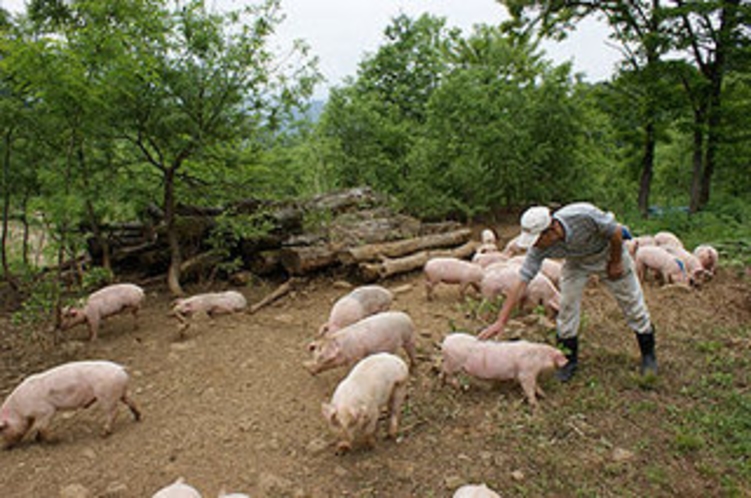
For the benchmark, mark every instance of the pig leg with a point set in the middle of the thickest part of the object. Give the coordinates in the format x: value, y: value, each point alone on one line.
x: 409, y: 347
x: 93, y: 322
x: 131, y: 406
x: 529, y: 386
x: 135, y: 311
x: 40, y: 424
x: 395, y: 407
x: 369, y: 424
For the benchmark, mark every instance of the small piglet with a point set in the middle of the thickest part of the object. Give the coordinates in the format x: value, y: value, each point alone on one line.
x: 177, y: 489
x: 507, y: 360
x: 708, y: 257
x: 668, y: 267
x: 540, y: 290
x: 451, y: 271
x: 211, y: 303
x: 32, y: 404
x: 383, y: 332
x: 667, y: 239
x: 475, y: 491
x: 377, y: 381
x: 111, y: 300
x: 361, y: 302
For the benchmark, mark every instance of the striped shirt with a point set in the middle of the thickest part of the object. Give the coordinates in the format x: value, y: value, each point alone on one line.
x: 587, y: 231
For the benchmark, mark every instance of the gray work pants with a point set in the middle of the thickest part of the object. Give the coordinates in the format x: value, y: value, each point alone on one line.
x: 626, y: 290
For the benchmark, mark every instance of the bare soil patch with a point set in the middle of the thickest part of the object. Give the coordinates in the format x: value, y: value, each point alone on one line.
x: 230, y: 405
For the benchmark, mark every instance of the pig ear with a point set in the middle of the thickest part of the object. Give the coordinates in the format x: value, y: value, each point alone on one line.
x: 329, y: 412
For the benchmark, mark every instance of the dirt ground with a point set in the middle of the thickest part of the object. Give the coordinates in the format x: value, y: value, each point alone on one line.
x: 230, y: 405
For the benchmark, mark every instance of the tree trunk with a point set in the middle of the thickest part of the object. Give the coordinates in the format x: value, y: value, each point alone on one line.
x: 6, y: 207
x: 698, y: 156
x: 173, y: 274
x: 647, y: 167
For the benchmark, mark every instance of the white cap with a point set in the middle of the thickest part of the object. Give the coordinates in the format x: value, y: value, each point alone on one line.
x: 534, y: 221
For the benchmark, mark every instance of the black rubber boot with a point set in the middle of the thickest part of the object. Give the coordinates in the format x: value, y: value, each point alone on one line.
x: 647, y: 348
x: 570, y: 347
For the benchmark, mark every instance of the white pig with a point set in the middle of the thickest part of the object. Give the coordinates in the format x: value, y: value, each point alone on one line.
x: 69, y: 386
x: 488, y: 258
x: 667, y: 267
x: 177, y: 489
x: 224, y: 494
x: 451, y: 271
x: 475, y: 491
x: 488, y: 236
x: 512, y: 248
x: 361, y: 302
x: 694, y: 268
x: 383, y: 332
x: 211, y: 303
x: 667, y: 239
x: 377, y: 381
x: 506, y: 360
x: 708, y: 257
x: 110, y: 300
x: 540, y: 290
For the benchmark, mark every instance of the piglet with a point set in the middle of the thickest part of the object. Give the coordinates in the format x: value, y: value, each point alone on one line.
x: 377, y: 381
x: 383, y: 332
x: 177, y: 489
x: 211, y: 303
x: 668, y: 267
x: 106, y: 302
x: 708, y: 257
x: 488, y: 258
x: 475, y: 491
x: 69, y: 386
x: 358, y: 304
x: 507, y: 360
x: 451, y: 271
x: 667, y: 239
x: 540, y: 290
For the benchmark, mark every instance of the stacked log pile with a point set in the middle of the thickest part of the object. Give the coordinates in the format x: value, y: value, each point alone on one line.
x: 353, y: 229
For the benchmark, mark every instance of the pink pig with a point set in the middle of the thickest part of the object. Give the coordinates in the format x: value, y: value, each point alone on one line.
x: 377, y: 381
x: 506, y: 360
x: 32, y: 404
x: 667, y: 239
x: 361, y: 302
x: 540, y: 290
x: 475, y: 491
x: 383, y: 332
x: 178, y: 489
x: 667, y: 266
x: 708, y: 257
x: 106, y: 302
x: 451, y: 271
x: 694, y: 268
x: 488, y: 258
x: 211, y: 303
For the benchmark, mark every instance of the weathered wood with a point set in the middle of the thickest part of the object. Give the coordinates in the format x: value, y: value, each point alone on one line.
x: 306, y: 259
x: 388, y: 267
x: 402, y: 247
x: 265, y: 262
x: 276, y: 294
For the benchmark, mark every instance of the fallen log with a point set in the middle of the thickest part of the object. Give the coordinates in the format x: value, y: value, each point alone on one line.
x: 387, y: 267
x: 201, y: 263
x: 398, y: 248
x: 306, y: 259
x: 276, y: 294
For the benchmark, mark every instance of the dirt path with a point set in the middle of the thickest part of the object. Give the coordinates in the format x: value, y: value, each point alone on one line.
x: 230, y: 405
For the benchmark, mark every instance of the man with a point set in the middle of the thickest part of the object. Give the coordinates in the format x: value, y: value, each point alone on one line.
x: 592, y: 243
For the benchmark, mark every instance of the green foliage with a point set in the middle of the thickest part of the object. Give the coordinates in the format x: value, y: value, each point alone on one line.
x: 42, y: 295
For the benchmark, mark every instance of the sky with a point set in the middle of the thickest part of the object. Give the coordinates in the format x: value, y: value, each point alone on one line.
x: 341, y: 32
